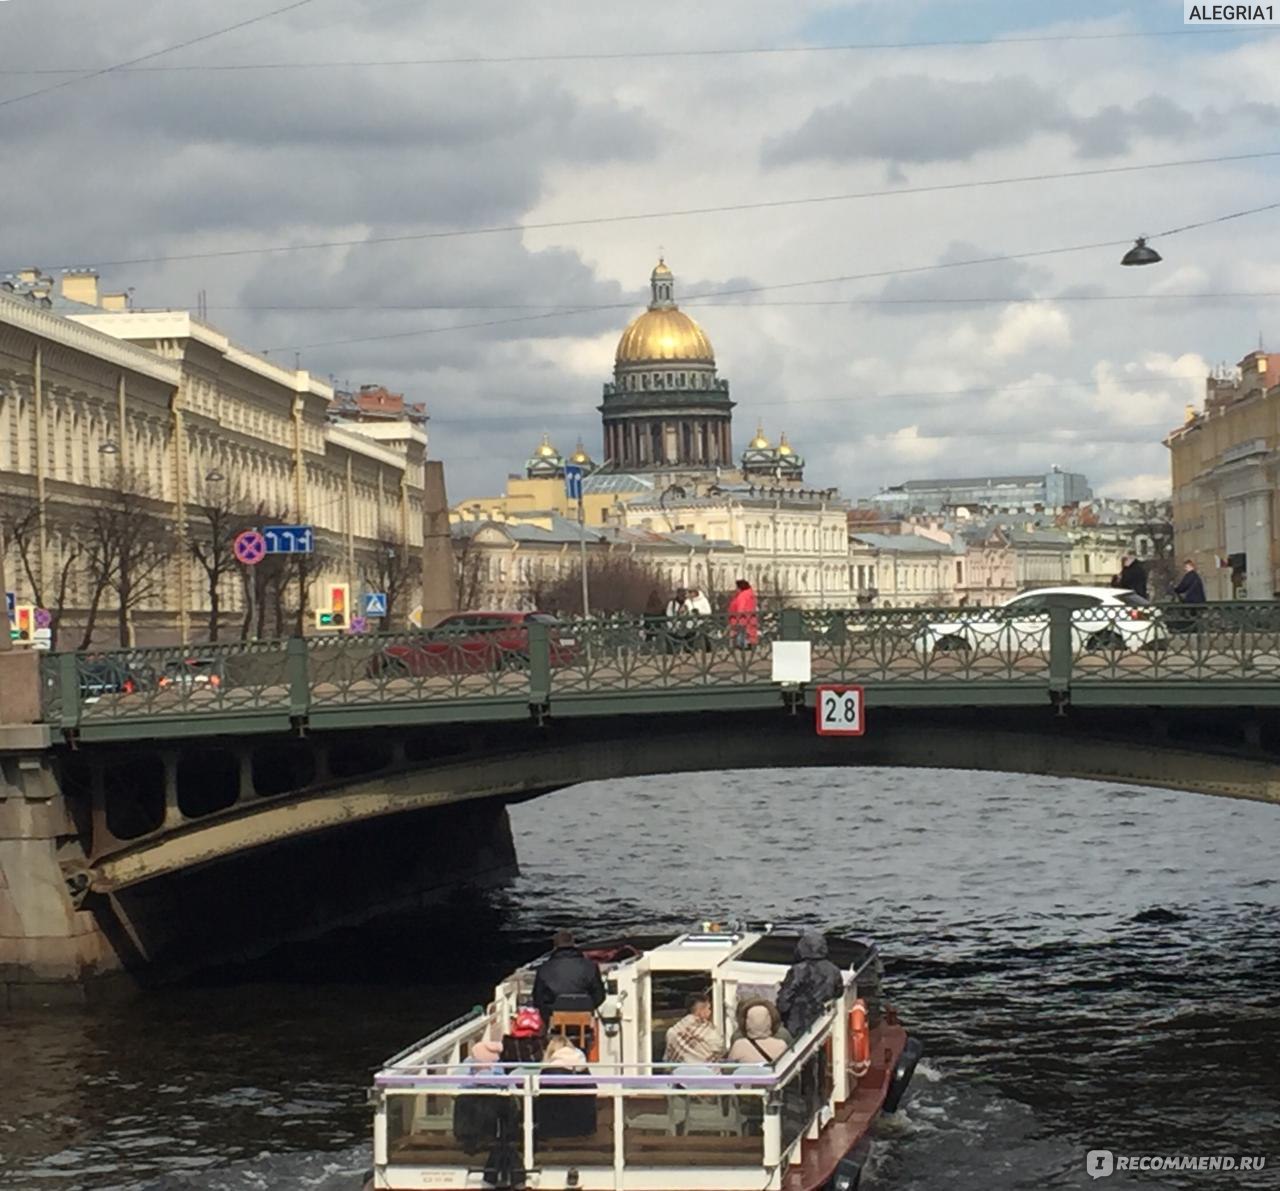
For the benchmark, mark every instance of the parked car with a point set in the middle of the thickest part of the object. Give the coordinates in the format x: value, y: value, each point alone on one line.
x: 1103, y: 618
x: 475, y: 642
x: 189, y: 673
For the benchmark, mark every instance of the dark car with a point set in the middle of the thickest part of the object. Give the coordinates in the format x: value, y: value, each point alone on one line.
x: 106, y: 676
x: 474, y: 643
x: 189, y: 673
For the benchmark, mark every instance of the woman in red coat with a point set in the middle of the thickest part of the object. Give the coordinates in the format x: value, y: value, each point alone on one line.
x: 744, y: 624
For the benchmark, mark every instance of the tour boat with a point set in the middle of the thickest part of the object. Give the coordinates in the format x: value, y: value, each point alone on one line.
x: 448, y: 1115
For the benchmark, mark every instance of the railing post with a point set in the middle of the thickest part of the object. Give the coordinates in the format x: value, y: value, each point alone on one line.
x: 69, y: 688
x: 791, y: 625
x: 1060, y: 650
x: 540, y: 662
x: 296, y: 671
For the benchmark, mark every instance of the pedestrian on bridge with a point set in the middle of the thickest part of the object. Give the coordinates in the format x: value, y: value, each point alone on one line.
x: 1133, y: 575
x: 1190, y: 588
x: 744, y: 622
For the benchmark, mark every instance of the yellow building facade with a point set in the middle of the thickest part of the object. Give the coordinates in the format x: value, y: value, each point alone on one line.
x: 160, y: 413
x: 1226, y: 500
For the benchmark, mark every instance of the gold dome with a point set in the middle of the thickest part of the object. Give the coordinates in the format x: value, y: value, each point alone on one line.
x: 545, y: 450
x: 580, y: 455
x: 662, y: 335
x: 784, y: 447
x: 759, y: 443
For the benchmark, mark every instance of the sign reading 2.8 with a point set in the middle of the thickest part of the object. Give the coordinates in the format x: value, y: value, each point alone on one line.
x: 840, y: 711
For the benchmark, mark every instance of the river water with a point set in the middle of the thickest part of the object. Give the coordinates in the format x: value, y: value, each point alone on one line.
x: 1091, y: 967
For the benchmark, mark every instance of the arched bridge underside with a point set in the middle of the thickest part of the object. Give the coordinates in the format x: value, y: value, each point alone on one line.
x: 221, y: 799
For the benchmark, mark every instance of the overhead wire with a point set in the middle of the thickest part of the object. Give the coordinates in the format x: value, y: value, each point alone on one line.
x: 635, y: 55
x: 919, y: 395
x: 975, y: 300
x: 121, y: 67
x: 676, y: 213
x: 739, y: 291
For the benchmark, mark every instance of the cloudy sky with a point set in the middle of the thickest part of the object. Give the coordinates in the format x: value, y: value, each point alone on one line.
x: 898, y: 373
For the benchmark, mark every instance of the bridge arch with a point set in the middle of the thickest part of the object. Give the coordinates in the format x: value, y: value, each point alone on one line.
x: 384, y: 774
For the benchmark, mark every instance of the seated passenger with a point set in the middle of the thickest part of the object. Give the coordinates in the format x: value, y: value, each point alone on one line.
x: 566, y: 1113
x: 475, y: 1118
x: 760, y: 1045
x: 524, y: 1044
x: 694, y: 1038
x: 566, y: 972
x: 775, y: 1019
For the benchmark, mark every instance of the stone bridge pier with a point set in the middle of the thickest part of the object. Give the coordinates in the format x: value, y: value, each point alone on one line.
x: 52, y: 947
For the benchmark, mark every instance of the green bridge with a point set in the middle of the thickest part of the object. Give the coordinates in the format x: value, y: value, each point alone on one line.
x: 1217, y: 655
x: 178, y: 806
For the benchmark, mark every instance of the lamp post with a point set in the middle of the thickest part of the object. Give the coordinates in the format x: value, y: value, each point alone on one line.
x: 213, y: 478
x: 112, y: 448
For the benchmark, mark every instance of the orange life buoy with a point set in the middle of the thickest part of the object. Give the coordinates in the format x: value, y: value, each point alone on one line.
x: 859, y: 1038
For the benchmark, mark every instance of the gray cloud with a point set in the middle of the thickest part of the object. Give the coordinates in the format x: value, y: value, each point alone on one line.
x: 913, y: 118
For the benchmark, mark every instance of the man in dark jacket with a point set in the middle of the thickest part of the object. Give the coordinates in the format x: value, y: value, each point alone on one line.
x: 1190, y: 588
x: 566, y: 971
x: 1133, y: 575
x: 812, y: 981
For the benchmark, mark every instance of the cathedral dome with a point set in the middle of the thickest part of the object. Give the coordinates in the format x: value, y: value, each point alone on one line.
x: 663, y: 333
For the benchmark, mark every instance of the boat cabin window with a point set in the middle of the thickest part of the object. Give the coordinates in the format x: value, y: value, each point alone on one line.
x: 669, y: 994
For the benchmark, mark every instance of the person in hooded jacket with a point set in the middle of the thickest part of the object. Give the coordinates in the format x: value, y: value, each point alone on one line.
x: 566, y: 972
x: 811, y: 982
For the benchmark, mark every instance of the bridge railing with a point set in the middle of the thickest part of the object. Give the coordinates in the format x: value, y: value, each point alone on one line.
x: 919, y: 648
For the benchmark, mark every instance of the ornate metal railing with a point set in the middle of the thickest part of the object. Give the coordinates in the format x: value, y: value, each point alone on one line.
x: 538, y: 663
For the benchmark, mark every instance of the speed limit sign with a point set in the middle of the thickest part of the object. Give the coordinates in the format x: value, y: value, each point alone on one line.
x: 839, y: 711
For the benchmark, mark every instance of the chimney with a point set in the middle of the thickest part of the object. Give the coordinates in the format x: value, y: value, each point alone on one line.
x: 80, y: 285
x: 115, y: 302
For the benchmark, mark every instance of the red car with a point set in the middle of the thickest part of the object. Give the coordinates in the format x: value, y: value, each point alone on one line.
x: 473, y: 643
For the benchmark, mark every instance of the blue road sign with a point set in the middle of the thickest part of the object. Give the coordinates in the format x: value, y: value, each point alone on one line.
x: 375, y: 604
x: 573, y: 481
x: 289, y: 539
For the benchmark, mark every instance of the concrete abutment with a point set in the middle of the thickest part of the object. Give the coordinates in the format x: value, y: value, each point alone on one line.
x: 52, y: 949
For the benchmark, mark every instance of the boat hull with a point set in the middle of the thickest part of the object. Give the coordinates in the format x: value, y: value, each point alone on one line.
x: 848, y: 1129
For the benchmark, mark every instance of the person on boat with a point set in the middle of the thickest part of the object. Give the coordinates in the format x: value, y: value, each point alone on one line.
x: 525, y: 1042
x: 776, y: 1028
x: 694, y: 1038
x: 810, y: 983
x: 475, y: 1118
x: 566, y: 972
x: 760, y: 1045
x: 744, y: 622
x: 565, y: 1114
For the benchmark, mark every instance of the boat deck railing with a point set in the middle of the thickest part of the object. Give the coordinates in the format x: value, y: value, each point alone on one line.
x: 737, y: 1118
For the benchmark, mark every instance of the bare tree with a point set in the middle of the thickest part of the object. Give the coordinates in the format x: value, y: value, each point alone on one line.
x: 127, y: 551
x: 469, y: 562
x: 218, y: 520
x: 21, y: 521
x: 392, y: 568
x: 1156, y: 526
x: 618, y: 583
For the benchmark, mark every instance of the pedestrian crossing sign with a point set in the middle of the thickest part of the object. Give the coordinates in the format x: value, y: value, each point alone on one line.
x: 375, y: 603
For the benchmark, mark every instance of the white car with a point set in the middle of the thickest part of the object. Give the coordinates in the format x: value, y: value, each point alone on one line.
x: 1103, y: 618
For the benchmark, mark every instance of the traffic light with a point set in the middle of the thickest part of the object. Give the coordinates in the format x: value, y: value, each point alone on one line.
x: 23, y: 626
x: 333, y: 615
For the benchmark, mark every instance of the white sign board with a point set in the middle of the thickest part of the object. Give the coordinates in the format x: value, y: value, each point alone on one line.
x: 840, y: 711
x: 791, y: 661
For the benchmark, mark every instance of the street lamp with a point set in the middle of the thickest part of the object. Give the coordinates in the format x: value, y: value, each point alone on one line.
x: 1141, y: 254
